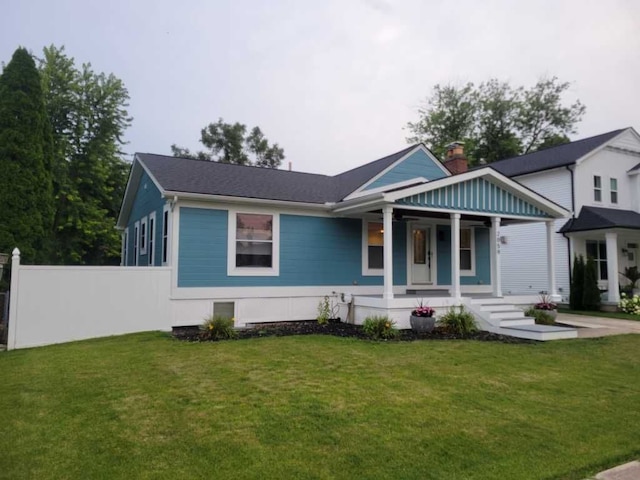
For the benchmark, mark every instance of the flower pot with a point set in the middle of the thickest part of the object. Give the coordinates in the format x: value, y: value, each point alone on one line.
x: 422, y: 324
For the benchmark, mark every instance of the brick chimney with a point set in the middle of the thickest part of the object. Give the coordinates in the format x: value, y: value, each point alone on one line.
x: 455, y: 160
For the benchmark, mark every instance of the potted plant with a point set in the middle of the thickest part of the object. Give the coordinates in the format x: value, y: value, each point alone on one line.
x: 545, y: 304
x: 422, y: 319
x: 633, y: 275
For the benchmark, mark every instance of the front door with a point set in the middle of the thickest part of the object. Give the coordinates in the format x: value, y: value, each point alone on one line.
x: 421, y: 255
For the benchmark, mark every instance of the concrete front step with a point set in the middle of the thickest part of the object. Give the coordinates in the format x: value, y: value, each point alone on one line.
x: 498, y: 308
x: 506, y: 314
x: 510, y: 322
x: 487, y: 301
x: 539, y: 332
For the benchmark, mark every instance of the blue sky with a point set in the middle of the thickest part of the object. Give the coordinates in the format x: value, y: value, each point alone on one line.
x: 333, y: 82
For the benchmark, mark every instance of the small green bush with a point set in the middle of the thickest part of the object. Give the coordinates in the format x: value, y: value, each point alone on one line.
x: 541, y: 316
x: 218, y: 328
x: 460, y: 322
x: 324, y: 311
x: 380, y: 327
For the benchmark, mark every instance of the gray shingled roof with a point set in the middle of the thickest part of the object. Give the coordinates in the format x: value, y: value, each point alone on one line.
x: 552, y: 157
x: 596, y: 218
x: 213, y: 178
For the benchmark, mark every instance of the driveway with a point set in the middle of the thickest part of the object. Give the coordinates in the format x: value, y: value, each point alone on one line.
x: 589, y: 327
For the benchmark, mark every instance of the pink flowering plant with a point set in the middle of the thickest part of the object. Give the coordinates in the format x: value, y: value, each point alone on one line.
x: 423, y: 311
x: 545, y: 303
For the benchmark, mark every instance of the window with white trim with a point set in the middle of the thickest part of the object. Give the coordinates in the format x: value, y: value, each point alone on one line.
x: 613, y: 183
x: 125, y: 247
x: 467, y: 251
x: 136, y: 242
x: 143, y: 236
x: 165, y: 235
x: 597, y: 249
x: 597, y: 188
x: 152, y: 235
x: 372, y: 248
x: 253, y: 244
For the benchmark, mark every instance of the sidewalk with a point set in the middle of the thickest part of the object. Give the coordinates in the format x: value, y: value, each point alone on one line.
x: 589, y: 327
x: 628, y: 471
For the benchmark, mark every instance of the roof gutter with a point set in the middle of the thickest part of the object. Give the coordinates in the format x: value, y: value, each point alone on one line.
x: 175, y: 196
x: 573, y: 216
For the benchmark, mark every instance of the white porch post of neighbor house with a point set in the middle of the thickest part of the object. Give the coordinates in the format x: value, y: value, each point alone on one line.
x: 496, y: 278
x: 387, y: 255
x: 551, y: 262
x: 455, y: 256
x: 612, y: 266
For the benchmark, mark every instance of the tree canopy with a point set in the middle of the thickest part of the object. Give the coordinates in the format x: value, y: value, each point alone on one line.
x: 230, y: 143
x: 496, y: 120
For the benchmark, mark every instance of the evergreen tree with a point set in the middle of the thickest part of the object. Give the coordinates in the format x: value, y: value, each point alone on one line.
x: 26, y: 199
x: 590, y: 291
x: 577, y: 284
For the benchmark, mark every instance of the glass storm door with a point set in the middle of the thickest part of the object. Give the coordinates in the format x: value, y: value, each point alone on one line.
x: 421, y: 255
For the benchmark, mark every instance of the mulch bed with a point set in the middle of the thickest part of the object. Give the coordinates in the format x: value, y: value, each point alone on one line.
x: 339, y: 329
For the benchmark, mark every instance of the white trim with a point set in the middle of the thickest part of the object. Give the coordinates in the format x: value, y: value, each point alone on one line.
x: 473, y: 212
x: 225, y: 205
x: 259, y: 202
x: 136, y: 173
x: 366, y: 271
x: 391, y: 186
x: 232, y: 269
x: 472, y: 271
x: 595, y: 175
x: 387, y: 219
x: 399, y: 161
x: 136, y: 243
x: 151, y: 238
x: 612, y: 191
x: 455, y: 255
x: 165, y: 252
x: 144, y: 235
x: 606, y: 144
x: 431, y: 225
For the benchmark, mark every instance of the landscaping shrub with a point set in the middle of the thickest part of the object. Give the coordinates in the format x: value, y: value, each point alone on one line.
x: 217, y: 327
x: 541, y: 316
x: 590, y: 291
x: 460, y: 322
x: 380, y: 328
x: 577, y: 284
x: 630, y: 304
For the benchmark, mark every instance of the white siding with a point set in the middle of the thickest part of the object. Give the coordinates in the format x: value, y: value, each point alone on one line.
x: 523, y: 256
x: 626, y: 140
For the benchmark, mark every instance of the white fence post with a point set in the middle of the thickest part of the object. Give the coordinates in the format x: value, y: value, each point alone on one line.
x: 13, y: 299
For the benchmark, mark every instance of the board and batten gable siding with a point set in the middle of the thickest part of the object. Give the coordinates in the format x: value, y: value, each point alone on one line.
x: 148, y: 199
x: 418, y: 164
x: 482, y: 257
x: 523, y: 253
x: 478, y: 195
x: 313, y: 251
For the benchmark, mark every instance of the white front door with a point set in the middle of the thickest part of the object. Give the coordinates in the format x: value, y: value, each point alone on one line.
x: 421, y: 255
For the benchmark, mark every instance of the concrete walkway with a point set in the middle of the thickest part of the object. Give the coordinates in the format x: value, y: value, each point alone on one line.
x: 628, y: 471
x: 589, y: 327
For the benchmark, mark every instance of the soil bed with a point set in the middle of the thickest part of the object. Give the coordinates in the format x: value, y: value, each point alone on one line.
x: 339, y: 329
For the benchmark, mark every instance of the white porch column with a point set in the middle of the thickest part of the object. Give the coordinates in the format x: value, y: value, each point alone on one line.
x: 496, y: 278
x: 551, y: 261
x: 13, y: 299
x: 455, y: 256
x: 612, y: 266
x: 387, y: 220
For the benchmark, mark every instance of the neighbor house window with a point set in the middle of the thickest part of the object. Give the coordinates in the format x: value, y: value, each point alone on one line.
x: 143, y: 236
x: 136, y: 242
x: 165, y: 235
x: 597, y: 188
x: 125, y: 247
x: 467, y: 251
x: 152, y: 234
x: 614, y: 190
x: 253, y: 244
x: 597, y: 249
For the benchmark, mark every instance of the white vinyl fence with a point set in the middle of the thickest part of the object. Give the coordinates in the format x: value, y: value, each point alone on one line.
x: 60, y: 304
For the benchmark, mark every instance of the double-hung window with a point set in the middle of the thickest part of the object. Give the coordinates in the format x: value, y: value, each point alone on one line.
x: 165, y: 235
x: 373, y: 248
x: 125, y: 247
x: 467, y: 252
x: 136, y: 242
x: 253, y: 244
x: 143, y: 236
x: 152, y: 234
x: 613, y: 183
x: 597, y: 249
x: 597, y: 188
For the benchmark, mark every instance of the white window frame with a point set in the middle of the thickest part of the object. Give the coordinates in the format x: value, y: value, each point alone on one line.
x: 136, y: 243
x: 472, y: 271
x: 232, y: 269
x: 596, y: 189
x: 144, y: 235
x: 612, y: 190
x: 151, y: 238
x: 366, y: 271
x: 166, y: 233
x: 125, y: 247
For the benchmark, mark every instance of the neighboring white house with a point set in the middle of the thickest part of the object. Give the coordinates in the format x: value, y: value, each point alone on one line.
x: 597, y: 179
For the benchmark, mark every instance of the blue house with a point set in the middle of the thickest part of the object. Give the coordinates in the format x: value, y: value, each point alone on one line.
x: 265, y: 244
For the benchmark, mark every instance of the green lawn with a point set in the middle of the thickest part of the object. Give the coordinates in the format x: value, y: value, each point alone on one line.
x: 621, y: 315
x: 147, y: 406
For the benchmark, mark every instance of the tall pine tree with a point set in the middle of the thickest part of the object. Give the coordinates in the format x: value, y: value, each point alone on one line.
x: 26, y: 200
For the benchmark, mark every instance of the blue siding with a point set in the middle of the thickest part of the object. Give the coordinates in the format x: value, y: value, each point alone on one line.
x: 483, y: 257
x: 313, y: 251
x: 418, y: 164
x: 148, y: 199
x: 477, y: 195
